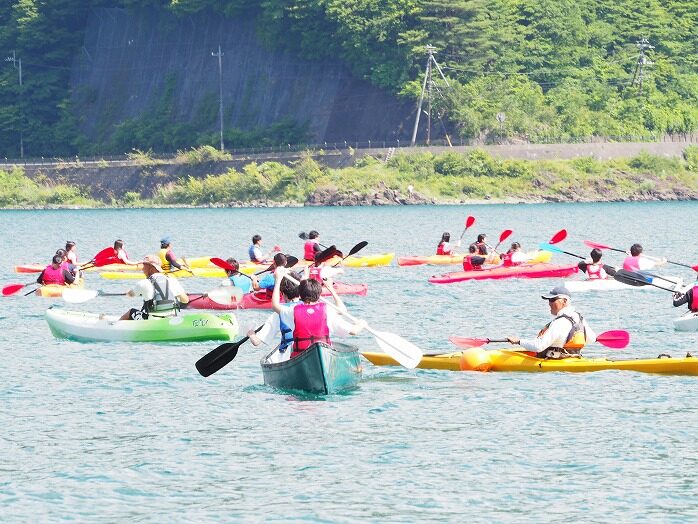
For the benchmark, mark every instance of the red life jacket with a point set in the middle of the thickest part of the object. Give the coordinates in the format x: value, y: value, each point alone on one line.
x: 694, y: 301
x: 481, y: 248
x: 315, y: 273
x: 506, y: 259
x: 468, y: 263
x: 440, y: 249
x: 53, y: 276
x: 594, y: 271
x: 310, y: 326
x: 309, y: 250
x: 632, y: 264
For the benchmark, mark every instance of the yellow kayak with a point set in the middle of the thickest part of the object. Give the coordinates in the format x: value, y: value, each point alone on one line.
x: 205, y: 272
x: 56, y: 290
x: 382, y: 259
x: 479, y: 359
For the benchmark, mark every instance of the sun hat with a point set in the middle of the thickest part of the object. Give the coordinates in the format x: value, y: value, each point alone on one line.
x: 558, y: 292
x: 153, y: 261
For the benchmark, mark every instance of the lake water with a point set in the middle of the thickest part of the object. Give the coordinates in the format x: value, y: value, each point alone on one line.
x: 131, y: 433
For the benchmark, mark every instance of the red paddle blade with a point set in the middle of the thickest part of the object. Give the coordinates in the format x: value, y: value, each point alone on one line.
x: 504, y: 235
x: 596, y: 245
x: 616, y: 338
x: 465, y: 342
x: 558, y: 237
x: 221, y: 264
x: 695, y: 268
x: 11, y: 289
x: 104, y: 257
x: 469, y: 221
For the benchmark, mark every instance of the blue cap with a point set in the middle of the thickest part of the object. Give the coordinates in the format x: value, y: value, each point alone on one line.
x: 557, y: 292
x: 165, y: 240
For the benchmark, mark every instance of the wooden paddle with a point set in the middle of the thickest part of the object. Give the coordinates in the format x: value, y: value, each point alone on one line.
x: 603, y: 246
x: 615, y: 339
x: 468, y: 223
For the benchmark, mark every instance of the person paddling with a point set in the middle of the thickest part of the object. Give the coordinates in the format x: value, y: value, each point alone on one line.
x: 638, y: 262
x: 688, y: 296
x: 71, y: 252
x: 245, y: 283
x: 473, y: 260
x: 445, y: 247
x: 56, y: 272
x: 481, y: 244
x: 168, y: 260
x: 312, y: 320
x: 565, y: 335
x: 515, y: 256
x: 594, y: 267
x: 162, y: 295
x: 274, y: 330
x: 312, y: 246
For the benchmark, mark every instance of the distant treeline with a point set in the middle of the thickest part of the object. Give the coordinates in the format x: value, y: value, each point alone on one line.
x: 551, y: 67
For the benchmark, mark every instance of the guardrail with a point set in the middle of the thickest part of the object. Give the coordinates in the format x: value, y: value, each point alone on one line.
x: 345, y: 145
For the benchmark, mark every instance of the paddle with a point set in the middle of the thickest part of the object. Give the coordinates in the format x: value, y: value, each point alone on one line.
x: 105, y: 257
x: 11, y: 289
x: 547, y: 247
x: 468, y: 222
x: 632, y: 278
x: 223, y: 295
x: 615, y: 339
x: 305, y: 236
x: 558, y: 237
x: 353, y: 251
x: 403, y: 351
x: 502, y: 237
x: 603, y: 246
x: 225, y: 353
x: 221, y: 356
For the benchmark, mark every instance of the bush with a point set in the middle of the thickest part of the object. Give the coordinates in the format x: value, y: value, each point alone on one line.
x: 690, y: 155
x: 202, y: 154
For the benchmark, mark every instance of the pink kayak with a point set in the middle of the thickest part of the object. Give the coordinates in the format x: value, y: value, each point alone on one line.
x: 262, y: 299
x: 522, y: 271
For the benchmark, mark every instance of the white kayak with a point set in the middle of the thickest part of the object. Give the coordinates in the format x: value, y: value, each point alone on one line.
x: 688, y: 322
x: 184, y: 327
x: 609, y: 284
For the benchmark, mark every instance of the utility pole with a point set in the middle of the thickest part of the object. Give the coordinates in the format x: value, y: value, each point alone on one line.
x: 642, y: 61
x: 427, y: 88
x: 17, y: 63
x: 220, y: 92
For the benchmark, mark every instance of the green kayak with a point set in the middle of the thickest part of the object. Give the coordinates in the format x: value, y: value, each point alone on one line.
x: 189, y: 327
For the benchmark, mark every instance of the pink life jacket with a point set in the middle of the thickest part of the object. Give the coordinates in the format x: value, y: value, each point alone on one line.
x: 310, y: 326
x: 315, y: 273
x: 53, y: 276
x: 632, y: 263
x: 309, y: 250
x: 694, y: 302
x: 594, y: 271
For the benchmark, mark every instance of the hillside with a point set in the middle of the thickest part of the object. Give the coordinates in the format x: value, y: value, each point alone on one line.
x: 106, y: 76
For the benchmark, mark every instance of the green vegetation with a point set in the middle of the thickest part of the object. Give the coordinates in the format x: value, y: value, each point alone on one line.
x: 555, y: 68
x: 446, y: 178
x: 18, y: 190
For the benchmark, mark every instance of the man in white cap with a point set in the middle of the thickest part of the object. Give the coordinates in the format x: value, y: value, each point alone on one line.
x: 162, y: 295
x: 562, y: 337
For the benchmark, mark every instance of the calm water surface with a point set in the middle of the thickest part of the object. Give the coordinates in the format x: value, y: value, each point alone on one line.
x: 123, y: 433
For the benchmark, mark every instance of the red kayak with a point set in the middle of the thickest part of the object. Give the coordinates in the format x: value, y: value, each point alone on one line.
x: 522, y: 271
x: 262, y: 299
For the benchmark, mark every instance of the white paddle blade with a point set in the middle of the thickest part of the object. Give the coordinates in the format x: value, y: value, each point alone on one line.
x: 226, y: 295
x: 74, y: 295
x: 403, y: 351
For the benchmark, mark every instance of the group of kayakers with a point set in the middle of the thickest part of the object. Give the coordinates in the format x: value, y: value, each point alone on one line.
x: 480, y: 253
x: 63, y: 269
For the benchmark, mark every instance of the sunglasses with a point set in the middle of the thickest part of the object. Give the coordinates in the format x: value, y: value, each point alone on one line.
x: 551, y: 300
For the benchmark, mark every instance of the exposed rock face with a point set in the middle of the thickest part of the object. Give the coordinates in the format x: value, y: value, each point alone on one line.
x: 383, y: 196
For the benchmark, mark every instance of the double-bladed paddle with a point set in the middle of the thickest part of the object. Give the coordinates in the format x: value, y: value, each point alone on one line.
x: 468, y: 223
x: 604, y: 246
x: 632, y: 278
x: 548, y: 247
x: 558, y: 237
x: 615, y: 338
x: 304, y: 236
x: 353, y: 251
x: 224, y: 295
